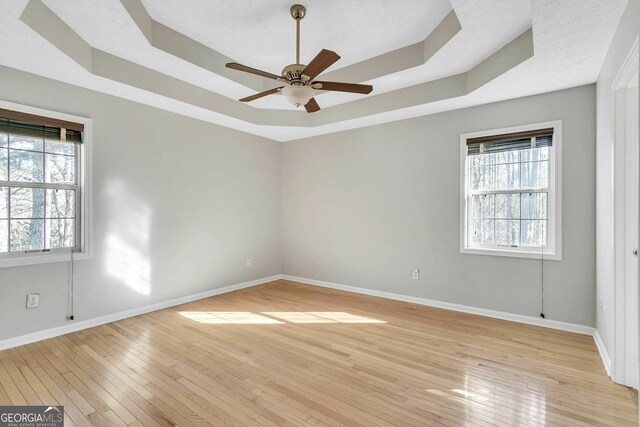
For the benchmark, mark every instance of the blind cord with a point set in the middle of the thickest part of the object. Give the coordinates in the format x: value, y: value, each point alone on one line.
x: 71, y: 315
x: 542, y: 282
x: 542, y: 270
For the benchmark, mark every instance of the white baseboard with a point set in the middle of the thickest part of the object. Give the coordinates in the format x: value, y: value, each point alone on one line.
x: 546, y: 323
x: 90, y: 323
x: 606, y: 360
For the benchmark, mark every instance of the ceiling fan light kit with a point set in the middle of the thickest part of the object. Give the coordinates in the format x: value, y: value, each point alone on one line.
x: 298, y: 94
x: 300, y: 86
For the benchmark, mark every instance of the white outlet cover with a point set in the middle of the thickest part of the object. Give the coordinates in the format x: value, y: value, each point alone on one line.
x: 33, y: 300
x: 415, y: 274
x: 248, y: 262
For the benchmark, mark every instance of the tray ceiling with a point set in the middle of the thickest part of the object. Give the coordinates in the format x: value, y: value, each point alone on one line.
x: 421, y: 56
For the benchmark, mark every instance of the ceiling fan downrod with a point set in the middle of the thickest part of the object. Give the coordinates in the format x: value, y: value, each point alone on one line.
x: 298, y: 12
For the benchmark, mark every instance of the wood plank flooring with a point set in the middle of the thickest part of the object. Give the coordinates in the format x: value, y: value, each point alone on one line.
x: 290, y: 354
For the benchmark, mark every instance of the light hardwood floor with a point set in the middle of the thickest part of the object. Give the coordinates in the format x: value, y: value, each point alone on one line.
x: 291, y: 354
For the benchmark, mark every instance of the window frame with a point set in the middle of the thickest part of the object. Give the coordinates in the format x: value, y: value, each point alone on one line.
x: 554, y: 225
x: 83, y: 197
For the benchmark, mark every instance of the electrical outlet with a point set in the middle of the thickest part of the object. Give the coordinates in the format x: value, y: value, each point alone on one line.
x: 248, y: 262
x: 415, y: 274
x: 33, y: 300
x: 600, y: 304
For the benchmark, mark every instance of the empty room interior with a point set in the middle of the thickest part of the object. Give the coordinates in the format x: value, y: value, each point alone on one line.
x: 341, y: 212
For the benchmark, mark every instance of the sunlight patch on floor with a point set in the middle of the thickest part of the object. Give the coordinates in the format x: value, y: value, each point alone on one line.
x: 275, y: 317
x: 320, y: 317
x: 228, y: 317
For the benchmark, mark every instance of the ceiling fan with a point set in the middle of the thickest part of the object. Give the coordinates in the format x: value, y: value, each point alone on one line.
x: 299, y: 78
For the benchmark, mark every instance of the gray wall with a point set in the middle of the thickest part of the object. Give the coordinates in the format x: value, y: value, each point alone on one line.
x: 626, y: 34
x: 364, y: 207
x: 188, y: 200
x: 192, y: 201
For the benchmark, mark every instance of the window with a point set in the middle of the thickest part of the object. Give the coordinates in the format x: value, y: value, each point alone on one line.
x: 510, y: 193
x: 40, y: 187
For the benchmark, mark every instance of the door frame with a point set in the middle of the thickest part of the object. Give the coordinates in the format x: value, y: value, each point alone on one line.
x: 625, y: 361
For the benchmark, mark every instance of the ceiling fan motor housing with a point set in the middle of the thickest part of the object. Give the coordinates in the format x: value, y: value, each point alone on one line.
x: 293, y: 73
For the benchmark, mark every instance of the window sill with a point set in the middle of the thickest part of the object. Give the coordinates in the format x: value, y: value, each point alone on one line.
x: 40, y: 258
x: 548, y: 256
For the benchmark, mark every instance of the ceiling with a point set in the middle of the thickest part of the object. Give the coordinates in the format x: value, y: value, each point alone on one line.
x: 262, y: 33
x: 422, y: 56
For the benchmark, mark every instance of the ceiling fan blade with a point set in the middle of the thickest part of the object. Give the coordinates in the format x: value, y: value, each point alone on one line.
x: 321, y: 62
x: 261, y: 94
x: 343, y: 87
x: 312, y: 106
x: 240, y: 67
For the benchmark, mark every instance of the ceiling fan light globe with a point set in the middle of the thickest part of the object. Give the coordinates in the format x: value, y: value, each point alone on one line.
x: 298, y: 94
